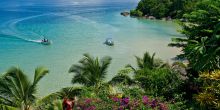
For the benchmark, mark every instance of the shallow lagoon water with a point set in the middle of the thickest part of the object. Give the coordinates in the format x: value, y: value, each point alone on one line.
x: 75, y: 28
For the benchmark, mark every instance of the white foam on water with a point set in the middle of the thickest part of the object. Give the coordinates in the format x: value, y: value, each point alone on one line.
x: 10, y: 28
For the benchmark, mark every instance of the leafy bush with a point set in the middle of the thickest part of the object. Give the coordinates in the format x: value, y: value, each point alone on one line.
x: 165, y: 8
x: 155, y: 76
x: 201, y: 45
x: 159, y: 82
x: 209, y: 98
x: 116, y: 103
x: 137, y: 13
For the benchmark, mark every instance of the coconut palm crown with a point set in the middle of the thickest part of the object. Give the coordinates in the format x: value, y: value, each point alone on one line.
x: 147, y: 62
x: 17, y: 91
x: 90, y: 71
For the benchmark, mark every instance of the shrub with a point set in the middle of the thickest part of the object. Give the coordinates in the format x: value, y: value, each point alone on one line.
x: 136, y: 13
x: 159, y: 82
x: 116, y: 103
x: 209, y: 98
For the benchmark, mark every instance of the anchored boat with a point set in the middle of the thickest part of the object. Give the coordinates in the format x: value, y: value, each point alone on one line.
x: 109, y: 42
x: 45, y: 41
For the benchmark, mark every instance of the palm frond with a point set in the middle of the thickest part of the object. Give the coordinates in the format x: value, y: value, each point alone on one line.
x: 139, y: 62
x: 131, y: 67
x: 90, y: 70
x: 4, y: 100
x: 40, y: 72
x: 76, y: 69
x: 5, y: 88
x: 152, y: 60
x: 179, y: 39
x: 105, y: 62
x: 49, y: 98
x: 122, y: 79
x: 17, y: 90
x: 6, y: 107
x: 147, y: 57
x: 177, y: 44
x: 17, y: 82
x: 80, y: 78
x: 70, y: 92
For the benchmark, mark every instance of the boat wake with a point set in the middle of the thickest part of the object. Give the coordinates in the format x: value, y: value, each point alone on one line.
x: 10, y: 29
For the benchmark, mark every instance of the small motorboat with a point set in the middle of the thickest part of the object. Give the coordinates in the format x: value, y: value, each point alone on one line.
x: 45, y: 41
x: 109, y: 42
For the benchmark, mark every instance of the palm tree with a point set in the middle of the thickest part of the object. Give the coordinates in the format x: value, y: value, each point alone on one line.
x: 17, y: 90
x: 5, y: 107
x: 147, y: 62
x: 91, y: 71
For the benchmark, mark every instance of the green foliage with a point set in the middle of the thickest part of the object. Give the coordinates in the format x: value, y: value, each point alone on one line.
x: 156, y: 77
x: 17, y: 90
x: 209, y: 98
x: 88, y: 92
x: 189, y: 5
x: 157, y: 8
x: 5, y: 107
x: 53, y: 100
x: 159, y: 82
x: 123, y: 77
x: 165, y: 8
x: 91, y: 71
x: 52, y: 105
x: 147, y: 62
x: 201, y: 46
x: 137, y: 13
x: 133, y: 92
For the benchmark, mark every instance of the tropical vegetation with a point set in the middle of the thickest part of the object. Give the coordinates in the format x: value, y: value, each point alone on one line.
x: 201, y: 45
x: 17, y: 91
x: 90, y: 71
x: 151, y: 83
x: 209, y: 97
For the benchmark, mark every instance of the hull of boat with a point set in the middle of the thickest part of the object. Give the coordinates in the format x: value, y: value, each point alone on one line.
x: 46, y: 43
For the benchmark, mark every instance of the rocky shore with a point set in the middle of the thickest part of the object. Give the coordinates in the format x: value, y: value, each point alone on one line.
x: 125, y: 13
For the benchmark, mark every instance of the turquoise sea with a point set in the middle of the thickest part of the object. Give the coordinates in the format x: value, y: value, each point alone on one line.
x: 76, y: 27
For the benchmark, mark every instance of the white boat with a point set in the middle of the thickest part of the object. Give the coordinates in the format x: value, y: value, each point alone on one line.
x: 45, y: 42
x: 109, y: 42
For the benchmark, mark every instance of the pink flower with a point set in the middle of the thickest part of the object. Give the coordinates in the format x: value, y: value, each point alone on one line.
x: 115, y: 99
x: 145, y: 100
x: 163, y: 106
x: 126, y: 100
x: 91, y: 108
x: 87, y: 101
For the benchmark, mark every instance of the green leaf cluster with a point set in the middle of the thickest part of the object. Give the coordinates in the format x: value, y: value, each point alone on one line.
x: 201, y: 46
x: 17, y: 91
x: 165, y: 8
